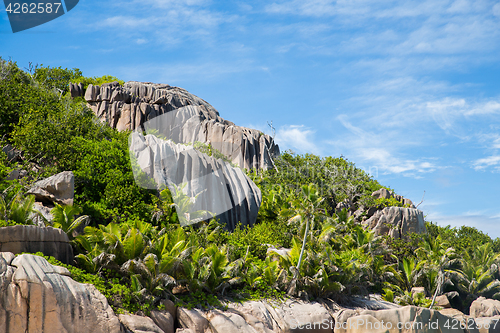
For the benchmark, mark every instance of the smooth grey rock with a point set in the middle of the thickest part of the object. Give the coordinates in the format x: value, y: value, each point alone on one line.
x: 58, y: 188
x: 92, y: 92
x: 135, y: 103
x: 29, y: 238
x: 382, y: 194
x: 204, y: 177
x: 139, y: 324
x: 397, y: 221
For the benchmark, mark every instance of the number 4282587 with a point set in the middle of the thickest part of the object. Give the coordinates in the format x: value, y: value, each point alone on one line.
x: 33, y: 8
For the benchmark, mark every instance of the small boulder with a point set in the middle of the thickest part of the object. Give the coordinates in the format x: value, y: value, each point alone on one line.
x: 58, y: 188
x: 139, y: 324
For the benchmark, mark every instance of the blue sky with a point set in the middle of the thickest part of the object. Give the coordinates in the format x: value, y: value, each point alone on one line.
x: 407, y: 89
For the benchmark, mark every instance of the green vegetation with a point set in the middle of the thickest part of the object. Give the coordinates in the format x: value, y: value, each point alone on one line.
x: 135, y: 252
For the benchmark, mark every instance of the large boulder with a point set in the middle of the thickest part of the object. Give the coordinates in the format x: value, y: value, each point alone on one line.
x: 485, y: 307
x: 59, y: 188
x: 130, y: 106
x: 29, y: 238
x: 36, y: 296
x: 201, y: 178
x: 397, y: 221
x: 386, y: 194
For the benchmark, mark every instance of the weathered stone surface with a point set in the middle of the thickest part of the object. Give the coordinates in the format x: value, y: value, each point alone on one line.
x: 397, y: 221
x: 203, y: 177
x: 382, y: 194
x: 442, y: 301
x: 36, y: 296
x: 164, y: 320
x: 41, y: 215
x: 484, y: 307
x: 58, y: 188
x: 192, y: 319
x: 131, y: 105
x: 139, y: 324
x: 76, y: 90
x: 386, y: 194
x: 405, y: 319
x: 29, y: 238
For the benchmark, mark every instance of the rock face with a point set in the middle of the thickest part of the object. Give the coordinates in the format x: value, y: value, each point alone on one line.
x: 397, y: 221
x: 36, y: 296
x: 29, y: 238
x: 258, y: 317
x: 129, y: 106
x: 212, y: 184
x: 58, y: 188
x: 405, y: 319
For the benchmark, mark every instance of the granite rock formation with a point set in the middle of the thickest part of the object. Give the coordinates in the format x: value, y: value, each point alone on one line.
x: 36, y: 296
x: 397, y: 221
x: 29, y: 238
x: 213, y: 185
x: 129, y: 106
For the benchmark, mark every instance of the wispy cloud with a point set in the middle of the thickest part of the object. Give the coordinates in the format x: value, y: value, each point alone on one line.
x: 490, y: 161
x: 298, y: 138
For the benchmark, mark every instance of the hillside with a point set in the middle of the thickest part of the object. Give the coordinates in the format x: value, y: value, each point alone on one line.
x: 300, y: 226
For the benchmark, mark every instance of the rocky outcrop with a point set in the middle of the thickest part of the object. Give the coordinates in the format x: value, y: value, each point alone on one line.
x: 129, y: 106
x: 257, y: 317
x: 406, y: 319
x: 58, y: 188
x: 36, y: 296
x: 29, y: 238
x: 484, y: 307
x: 397, y: 221
x: 386, y: 194
x: 212, y: 185
x: 76, y: 90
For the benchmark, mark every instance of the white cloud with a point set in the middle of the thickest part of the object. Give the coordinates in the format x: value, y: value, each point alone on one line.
x: 446, y: 112
x: 298, y: 138
x: 483, y: 163
x: 381, y: 149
